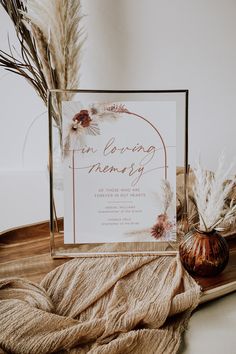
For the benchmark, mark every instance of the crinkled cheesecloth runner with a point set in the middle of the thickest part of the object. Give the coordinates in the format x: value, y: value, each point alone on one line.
x: 99, y: 305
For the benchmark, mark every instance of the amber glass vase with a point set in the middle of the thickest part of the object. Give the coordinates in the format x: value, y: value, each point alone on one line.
x: 204, y: 253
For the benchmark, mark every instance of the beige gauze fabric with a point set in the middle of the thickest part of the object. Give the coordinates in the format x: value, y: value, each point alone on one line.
x: 107, y: 305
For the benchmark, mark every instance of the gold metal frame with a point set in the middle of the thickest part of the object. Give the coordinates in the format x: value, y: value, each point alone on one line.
x: 57, y: 246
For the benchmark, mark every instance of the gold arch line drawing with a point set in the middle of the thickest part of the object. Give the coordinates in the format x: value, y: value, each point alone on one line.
x: 159, y: 134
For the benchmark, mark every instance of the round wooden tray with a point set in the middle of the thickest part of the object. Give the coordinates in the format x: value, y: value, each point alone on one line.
x: 24, y: 252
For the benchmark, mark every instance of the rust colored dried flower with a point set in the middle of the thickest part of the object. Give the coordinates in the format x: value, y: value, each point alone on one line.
x: 161, y: 227
x: 94, y: 110
x: 157, y: 230
x: 82, y: 118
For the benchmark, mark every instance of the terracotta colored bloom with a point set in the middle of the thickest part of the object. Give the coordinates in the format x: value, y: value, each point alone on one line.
x: 161, y: 227
x: 82, y: 118
x: 157, y: 231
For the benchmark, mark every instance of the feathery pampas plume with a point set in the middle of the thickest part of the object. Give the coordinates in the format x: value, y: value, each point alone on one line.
x: 167, y: 195
x: 58, y: 23
x: 163, y: 227
x: 51, y: 38
x: 210, y: 193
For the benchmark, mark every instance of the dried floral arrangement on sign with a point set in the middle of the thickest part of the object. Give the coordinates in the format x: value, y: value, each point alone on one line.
x: 86, y: 122
x: 50, y: 37
x: 164, y: 227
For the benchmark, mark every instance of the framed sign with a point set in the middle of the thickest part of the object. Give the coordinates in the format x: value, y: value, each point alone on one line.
x: 119, y: 154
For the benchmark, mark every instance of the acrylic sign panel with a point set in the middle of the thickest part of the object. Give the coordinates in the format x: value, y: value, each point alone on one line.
x: 119, y: 171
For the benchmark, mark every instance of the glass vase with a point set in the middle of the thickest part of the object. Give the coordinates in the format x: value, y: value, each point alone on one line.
x: 204, y: 253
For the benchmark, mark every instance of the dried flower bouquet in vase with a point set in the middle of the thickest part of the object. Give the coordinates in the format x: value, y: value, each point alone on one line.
x: 204, y: 251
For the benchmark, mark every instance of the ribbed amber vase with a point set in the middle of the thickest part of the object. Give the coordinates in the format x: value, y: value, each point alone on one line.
x: 204, y: 253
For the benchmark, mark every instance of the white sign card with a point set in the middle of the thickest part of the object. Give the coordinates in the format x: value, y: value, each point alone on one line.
x: 119, y: 171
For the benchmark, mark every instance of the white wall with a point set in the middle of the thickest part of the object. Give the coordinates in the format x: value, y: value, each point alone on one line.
x: 144, y: 44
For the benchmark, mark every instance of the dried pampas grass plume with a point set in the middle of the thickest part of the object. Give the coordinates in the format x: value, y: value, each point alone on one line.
x: 43, y: 52
x: 167, y: 195
x: 210, y: 194
x: 59, y: 23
